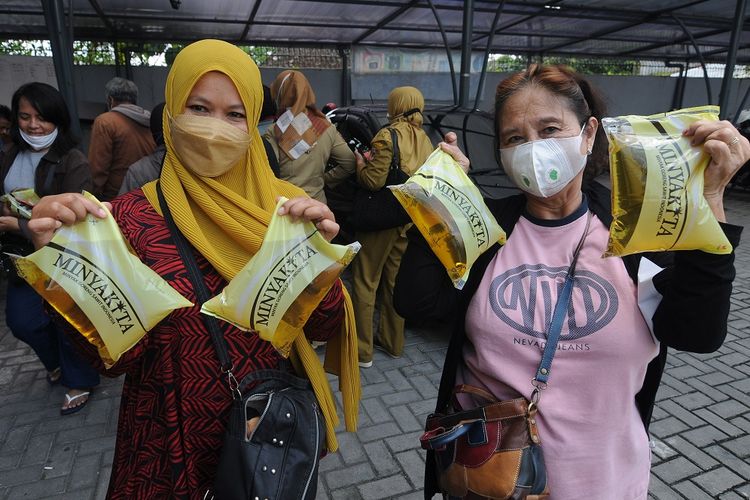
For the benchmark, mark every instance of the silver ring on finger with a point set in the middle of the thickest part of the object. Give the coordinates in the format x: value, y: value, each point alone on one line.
x: 734, y: 141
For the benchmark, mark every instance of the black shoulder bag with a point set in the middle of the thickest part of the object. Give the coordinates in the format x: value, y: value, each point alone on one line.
x: 279, y: 458
x: 376, y: 210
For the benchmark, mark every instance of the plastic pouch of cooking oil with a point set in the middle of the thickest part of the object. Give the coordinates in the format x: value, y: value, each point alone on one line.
x: 279, y: 288
x: 20, y: 202
x: 657, y: 185
x: 87, y: 273
x: 449, y: 211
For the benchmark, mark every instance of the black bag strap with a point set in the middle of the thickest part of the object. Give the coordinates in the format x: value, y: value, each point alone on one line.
x: 201, y: 291
x: 47, y: 186
x: 395, y: 174
x: 396, y: 158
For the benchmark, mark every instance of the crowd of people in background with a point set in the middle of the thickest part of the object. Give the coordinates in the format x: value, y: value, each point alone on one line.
x: 294, y: 150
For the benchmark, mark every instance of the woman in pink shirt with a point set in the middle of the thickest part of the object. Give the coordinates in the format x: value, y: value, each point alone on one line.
x: 593, y: 416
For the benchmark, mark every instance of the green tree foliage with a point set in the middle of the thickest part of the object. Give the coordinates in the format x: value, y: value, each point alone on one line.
x: 504, y: 63
x: 600, y: 66
x: 87, y: 52
x: 597, y: 66
x: 26, y: 47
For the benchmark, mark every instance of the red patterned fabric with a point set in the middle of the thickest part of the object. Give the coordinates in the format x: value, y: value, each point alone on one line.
x: 174, y: 404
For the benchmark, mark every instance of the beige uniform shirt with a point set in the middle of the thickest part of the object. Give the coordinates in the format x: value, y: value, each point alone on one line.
x: 309, y: 170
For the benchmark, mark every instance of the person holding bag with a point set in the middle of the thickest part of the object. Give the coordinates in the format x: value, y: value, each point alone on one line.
x: 545, y: 319
x: 197, y: 226
x: 375, y: 267
x: 43, y: 157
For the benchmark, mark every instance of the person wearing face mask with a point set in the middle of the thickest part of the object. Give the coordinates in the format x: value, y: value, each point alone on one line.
x: 593, y: 416
x: 220, y: 191
x: 43, y: 157
x: 304, y: 141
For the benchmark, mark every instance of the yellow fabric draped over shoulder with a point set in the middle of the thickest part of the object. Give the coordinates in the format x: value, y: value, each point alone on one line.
x: 226, y: 217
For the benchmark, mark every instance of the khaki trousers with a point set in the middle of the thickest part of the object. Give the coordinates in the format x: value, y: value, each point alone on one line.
x: 373, y: 277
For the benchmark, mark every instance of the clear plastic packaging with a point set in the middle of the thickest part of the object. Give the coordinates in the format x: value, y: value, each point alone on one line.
x: 657, y: 185
x: 449, y: 211
x: 279, y: 288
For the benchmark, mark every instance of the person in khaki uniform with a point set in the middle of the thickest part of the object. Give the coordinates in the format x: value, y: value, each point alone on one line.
x: 375, y: 267
x: 304, y: 140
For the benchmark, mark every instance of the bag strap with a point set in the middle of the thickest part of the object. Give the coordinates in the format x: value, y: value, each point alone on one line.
x: 201, y: 291
x: 556, y: 323
x: 396, y: 157
x: 47, y: 186
x: 472, y: 390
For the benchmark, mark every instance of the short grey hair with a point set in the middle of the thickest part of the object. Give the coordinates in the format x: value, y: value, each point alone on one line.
x: 121, y: 90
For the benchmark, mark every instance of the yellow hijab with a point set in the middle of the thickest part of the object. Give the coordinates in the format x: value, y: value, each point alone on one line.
x: 226, y: 217
x: 413, y: 142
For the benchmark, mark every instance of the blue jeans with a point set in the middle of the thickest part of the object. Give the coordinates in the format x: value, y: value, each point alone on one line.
x: 29, y: 322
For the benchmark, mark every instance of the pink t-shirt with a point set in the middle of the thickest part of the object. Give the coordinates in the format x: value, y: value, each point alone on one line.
x: 593, y: 439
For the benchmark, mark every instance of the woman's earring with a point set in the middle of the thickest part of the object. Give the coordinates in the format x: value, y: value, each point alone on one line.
x: 588, y: 152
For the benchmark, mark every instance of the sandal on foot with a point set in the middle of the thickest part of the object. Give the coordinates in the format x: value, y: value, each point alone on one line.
x: 53, y: 377
x: 74, y: 409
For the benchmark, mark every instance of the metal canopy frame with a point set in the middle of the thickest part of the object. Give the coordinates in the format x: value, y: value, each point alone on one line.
x: 667, y: 30
x: 567, y: 28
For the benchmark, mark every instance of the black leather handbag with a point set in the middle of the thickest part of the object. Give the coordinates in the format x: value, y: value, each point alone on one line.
x: 279, y: 458
x: 276, y: 458
x: 377, y: 210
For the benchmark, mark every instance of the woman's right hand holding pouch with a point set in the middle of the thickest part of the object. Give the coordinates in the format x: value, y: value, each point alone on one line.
x: 52, y: 212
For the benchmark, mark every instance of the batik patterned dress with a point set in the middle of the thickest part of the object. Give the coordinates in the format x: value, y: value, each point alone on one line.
x: 175, y: 402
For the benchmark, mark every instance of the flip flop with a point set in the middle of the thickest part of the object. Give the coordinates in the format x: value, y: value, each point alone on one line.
x: 53, y: 377
x: 75, y: 409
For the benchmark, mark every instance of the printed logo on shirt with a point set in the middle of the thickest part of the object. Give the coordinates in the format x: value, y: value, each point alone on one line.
x: 518, y: 294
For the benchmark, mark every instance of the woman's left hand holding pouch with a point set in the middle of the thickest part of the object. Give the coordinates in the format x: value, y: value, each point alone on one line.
x: 61, y: 209
x: 303, y: 208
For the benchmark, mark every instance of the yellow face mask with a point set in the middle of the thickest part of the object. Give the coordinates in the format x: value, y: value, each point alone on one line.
x: 208, y: 146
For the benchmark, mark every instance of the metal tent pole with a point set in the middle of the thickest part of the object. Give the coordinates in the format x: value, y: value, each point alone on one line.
x: 468, y: 33
x: 739, y: 20
x: 62, y: 56
x: 346, y: 77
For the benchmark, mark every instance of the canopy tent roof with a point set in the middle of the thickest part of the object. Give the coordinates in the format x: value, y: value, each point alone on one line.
x: 637, y: 29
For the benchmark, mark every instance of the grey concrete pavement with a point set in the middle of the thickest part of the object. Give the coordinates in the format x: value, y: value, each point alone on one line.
x: 701, y: 426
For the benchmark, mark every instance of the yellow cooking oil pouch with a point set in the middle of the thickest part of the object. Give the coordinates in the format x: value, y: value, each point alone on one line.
x: 20, y: 202
x: 657, y: 185
x: 87, y: 273
x: 449, y: 211
x: 282, y: 284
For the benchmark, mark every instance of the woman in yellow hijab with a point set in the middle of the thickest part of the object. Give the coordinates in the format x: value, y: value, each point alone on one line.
x: 375, y: 267
x: 220, y: 190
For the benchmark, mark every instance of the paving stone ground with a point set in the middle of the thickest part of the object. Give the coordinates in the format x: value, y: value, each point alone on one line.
x: 700, y: 430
